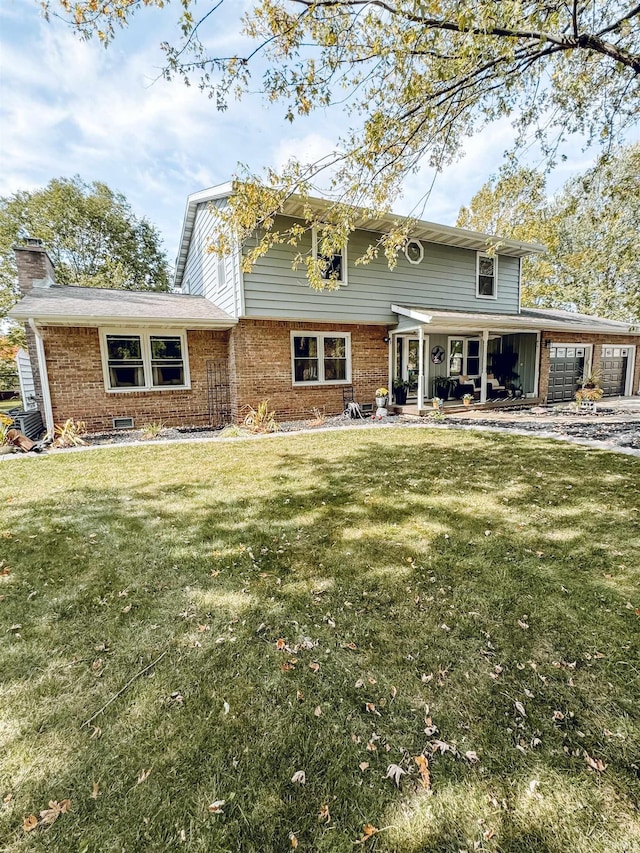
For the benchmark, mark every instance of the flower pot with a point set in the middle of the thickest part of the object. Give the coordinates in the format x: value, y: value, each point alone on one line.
x: 401, y: 396
x: 381, y: 402
x: 435, y: 404
x: 467, y: 402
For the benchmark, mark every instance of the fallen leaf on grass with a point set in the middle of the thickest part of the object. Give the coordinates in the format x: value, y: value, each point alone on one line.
x: 96, y: 731
x: 324, y: 814
x: 127, y: 608
x: 281, y: 644
x: 29, y: 823
x: 471, y: 756
x: 143, y: 775
x: 299, y: 777
x: 558, y: 715
x: 7, y: 798
x: 394, y: 692
x: 314, y: 667
x: 369, y: 831
x: 293, y: 840
x: 595, y: 763
x: 523, y: 625
x: 318, y: 711
x: 489, y: 834
x: 423, y: 767
x: 520, y: 709
x: 95, y: 790
x: 351, y: 646
x: 364, y: 765
x: 50, y: 815
x: 395, y: 772
x: 370, y: 708
x: 216, y: 806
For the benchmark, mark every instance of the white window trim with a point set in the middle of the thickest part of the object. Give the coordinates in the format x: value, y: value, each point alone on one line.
x: 494, y: 258
x: 145, y: 336
x: 303, y: 333
x: 343, y: 282
x: 465, y: 355
x: 406, y: 251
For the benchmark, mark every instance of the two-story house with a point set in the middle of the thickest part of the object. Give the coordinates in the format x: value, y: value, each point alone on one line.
x: 446, y: 319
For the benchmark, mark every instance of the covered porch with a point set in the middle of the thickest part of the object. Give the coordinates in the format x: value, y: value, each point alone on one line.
x: 490, y: 359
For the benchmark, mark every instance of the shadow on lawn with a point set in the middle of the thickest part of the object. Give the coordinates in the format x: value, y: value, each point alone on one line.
x: 422, y: 555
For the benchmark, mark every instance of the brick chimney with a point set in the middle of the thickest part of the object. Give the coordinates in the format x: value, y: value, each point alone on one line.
x: 35, y: 268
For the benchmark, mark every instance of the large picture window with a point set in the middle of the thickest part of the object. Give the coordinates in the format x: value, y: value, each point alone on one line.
x: 487, y: 276
x: 320, y: 357
x: 144, y: 360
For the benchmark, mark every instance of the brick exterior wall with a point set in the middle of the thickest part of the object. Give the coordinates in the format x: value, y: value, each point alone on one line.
x: 77, y: 388
x: 583, y: 339
x: 260, y: 362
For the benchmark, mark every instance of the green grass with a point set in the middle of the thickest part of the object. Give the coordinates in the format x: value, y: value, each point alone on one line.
x: 6, y: 405
x: 423, y: 549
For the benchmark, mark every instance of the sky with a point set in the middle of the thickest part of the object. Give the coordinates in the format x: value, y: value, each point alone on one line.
x: 72, y: 107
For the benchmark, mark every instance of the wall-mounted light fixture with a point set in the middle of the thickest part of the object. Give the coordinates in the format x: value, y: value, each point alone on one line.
x: 386, y: 339
x: 547, y: 343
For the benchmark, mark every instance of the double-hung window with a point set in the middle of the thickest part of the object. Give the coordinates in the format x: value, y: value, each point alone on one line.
x: 142, y: 361
x: 464, y: 357
x: 334, y: 267
x: 486, y: 276
x: 320, y: 357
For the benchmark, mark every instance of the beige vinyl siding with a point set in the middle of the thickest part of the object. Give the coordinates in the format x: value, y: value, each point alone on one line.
x: 202, y: 268
x: 446, y: 280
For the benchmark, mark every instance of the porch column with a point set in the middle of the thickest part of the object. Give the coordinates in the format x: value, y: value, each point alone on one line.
x: 483, y: 366
x: 420, y: 368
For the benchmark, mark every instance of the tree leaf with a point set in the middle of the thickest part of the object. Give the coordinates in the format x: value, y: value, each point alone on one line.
x: 395, y: 772
x: 299, y: 777
x: 29, y: 823
x: 423, y: 767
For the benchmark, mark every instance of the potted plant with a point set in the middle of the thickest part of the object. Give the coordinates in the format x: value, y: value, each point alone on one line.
x: 400, y: 388
x: 587, y: 398
x: 437, y: 402
x: 382, y: 397
x: 467, y: 398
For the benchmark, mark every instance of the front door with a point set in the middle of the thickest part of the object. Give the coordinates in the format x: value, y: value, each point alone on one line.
x: 407, y: 364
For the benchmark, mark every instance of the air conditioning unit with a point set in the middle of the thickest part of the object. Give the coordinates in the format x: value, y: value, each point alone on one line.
x: 123, y: 423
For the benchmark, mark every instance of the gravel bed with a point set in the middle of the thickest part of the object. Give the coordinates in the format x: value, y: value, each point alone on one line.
x: 607, y: 428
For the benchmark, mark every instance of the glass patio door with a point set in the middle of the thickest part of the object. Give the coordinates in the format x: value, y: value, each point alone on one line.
x: 407, y: 363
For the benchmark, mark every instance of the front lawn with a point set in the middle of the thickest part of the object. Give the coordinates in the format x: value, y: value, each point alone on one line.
x: 332, y: 603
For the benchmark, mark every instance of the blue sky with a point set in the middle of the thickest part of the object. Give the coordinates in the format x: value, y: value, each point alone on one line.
x: 71, y: 107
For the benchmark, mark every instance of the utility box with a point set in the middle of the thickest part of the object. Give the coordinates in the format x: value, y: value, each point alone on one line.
x: 29, y: 423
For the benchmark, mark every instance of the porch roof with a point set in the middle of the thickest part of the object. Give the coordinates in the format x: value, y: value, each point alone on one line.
x: 528, y: 319
x: 92, y: 306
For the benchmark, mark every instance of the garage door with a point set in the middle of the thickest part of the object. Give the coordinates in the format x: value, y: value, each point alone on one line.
x: 566, y: 367
x: 613, y: 368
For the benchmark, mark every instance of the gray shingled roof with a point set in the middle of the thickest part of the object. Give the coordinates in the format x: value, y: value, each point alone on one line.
x: 93, y: 305
x: 583, y: 321
x: 527, y: 318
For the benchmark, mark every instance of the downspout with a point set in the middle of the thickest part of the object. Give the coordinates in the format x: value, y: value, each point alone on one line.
x: 44, y: 377
x: 420, y: 369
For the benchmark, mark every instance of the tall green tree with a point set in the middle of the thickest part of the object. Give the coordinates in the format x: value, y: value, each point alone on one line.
x: 91, y: 234
x: 417, y: 78
x: 590, y: 229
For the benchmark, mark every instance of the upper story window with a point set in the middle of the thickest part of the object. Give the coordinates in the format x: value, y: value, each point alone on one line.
x: 335, y: 266
x: 487, y: 276
x: 320, y: 357
x: 414, y: 251
x: 143, y: 361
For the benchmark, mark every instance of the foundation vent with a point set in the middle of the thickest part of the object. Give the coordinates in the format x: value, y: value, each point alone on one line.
x: 123, y: 423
